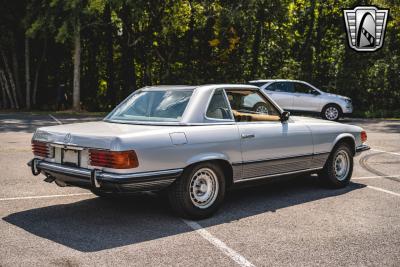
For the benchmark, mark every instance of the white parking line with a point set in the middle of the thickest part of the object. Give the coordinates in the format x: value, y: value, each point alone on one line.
x: 375, y: 177
x: 54, y: 118
x: 239, y: 259
x: 48, y: 196
x: 387, y: 152
x: 383, y: 190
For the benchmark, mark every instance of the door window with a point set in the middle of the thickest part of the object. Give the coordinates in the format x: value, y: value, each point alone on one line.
x: 286, y: 87
x: 251, y: 105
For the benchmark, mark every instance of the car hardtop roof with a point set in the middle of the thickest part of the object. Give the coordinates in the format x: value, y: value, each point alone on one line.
x: 274, y: 80
x: 200, y: 87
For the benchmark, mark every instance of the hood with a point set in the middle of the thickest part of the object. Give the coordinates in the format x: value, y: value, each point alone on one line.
x: 336, y: 96
x: 101, y: 134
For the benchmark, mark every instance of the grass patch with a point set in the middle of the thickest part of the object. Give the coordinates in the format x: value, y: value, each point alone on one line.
x: 378, y: 114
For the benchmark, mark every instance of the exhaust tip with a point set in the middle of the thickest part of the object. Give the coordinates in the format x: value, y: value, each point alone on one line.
x: 49, y: 179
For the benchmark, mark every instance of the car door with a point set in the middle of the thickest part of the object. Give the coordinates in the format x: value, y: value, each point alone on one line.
x: 306, y: 98
x: 281, y: 93
x: 269, y: 147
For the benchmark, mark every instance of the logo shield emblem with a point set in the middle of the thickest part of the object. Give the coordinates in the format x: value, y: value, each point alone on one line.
x: 366, y: 27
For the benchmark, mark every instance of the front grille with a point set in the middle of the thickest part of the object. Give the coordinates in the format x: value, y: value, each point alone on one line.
x: 40, y: 149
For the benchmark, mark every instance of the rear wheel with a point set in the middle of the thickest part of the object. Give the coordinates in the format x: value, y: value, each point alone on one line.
x: 339, y: 167
x: 199, y: 192
x: 331, y: 112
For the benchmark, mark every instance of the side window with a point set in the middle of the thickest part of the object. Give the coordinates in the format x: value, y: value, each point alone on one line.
x: 286, y: 87
x: 219, y: 107
x: 251, y: 105
x: 304, y: 88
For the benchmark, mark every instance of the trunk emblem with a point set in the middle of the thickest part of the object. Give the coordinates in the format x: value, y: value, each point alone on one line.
x: 67, y: 138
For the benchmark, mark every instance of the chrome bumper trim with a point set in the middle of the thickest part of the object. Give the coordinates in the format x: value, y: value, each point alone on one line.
x: 93, y: 177
x: 362, y: 148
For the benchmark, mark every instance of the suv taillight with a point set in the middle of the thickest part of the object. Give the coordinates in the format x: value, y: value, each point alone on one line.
x: 363, y: 136
x: 40, y: 149
x: 113, y: 159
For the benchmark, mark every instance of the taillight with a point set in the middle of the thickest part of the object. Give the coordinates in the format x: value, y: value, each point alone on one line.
x: 113, y: 159
x: 363, y: 136
x: 40, y: 149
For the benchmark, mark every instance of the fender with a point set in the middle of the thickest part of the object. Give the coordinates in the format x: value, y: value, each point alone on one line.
x: 340, y: 137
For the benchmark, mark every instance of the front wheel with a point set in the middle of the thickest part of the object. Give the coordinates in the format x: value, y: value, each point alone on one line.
x: 199, y: 192
x: 338, y: 168
x: 331, y: 112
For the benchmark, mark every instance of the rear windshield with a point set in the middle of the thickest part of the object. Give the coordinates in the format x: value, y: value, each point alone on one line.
x: 157, y: 106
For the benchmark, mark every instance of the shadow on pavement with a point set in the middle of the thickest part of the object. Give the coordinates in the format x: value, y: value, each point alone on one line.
x: 97, y: 224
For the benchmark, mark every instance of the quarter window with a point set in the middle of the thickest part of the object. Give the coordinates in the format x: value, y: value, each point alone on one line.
x: 219, y: 107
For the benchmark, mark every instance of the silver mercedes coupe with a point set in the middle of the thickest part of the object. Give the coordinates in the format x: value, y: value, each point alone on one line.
x: 194, y: 142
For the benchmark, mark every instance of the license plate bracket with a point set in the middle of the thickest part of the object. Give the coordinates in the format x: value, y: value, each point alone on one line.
x: 70, y: 157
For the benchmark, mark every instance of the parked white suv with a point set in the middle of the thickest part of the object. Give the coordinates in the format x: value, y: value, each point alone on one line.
x: 301, y: 96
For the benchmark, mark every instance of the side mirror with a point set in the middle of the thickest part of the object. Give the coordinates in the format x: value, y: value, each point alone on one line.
x: 285, y: 115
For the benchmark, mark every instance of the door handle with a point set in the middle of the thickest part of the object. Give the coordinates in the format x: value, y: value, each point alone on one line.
x: 247, y: 136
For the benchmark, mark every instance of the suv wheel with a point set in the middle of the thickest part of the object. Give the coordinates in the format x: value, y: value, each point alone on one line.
x: 331, y: 112
x: 199, y: 192
x: 339, y: 167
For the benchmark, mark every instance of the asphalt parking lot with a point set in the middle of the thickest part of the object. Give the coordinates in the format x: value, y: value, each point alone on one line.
x: 292, y: 222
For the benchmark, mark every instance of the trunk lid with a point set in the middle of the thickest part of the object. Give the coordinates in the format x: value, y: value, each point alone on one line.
x: 101, y: 134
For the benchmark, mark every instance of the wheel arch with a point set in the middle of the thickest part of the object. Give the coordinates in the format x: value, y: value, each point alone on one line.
x: 332, y: 104
x: 220, y: 159
x: 345, y: 138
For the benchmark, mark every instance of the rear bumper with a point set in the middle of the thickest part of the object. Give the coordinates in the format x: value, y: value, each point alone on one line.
x: 97, y: 179
x: 362, y: 148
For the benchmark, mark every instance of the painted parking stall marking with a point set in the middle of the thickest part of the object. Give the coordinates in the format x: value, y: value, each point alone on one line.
x: 375, y: 177
x: 383, y: 190
x: 46, y: 196
x: 387, y: 152
x: 239, y: 259
x: 54, y: 118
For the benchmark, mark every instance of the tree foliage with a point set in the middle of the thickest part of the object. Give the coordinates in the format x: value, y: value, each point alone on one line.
x: 129, y: 44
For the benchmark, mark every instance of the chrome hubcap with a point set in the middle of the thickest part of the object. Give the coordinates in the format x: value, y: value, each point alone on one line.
x: 331, y: 113
x: 342, y: 165
x: 262, y: 109
x: 204, y: 188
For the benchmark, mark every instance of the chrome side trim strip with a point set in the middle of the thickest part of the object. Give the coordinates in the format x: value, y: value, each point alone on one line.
x: 272, y: 159
x: 277, y: 175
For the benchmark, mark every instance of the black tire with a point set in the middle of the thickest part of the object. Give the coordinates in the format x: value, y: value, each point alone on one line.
x: 329, y: 115
x: 329, y: 174
x: 180, y: 196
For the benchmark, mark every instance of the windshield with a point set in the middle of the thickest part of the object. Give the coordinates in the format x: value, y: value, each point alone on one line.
x: 158, y: 106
